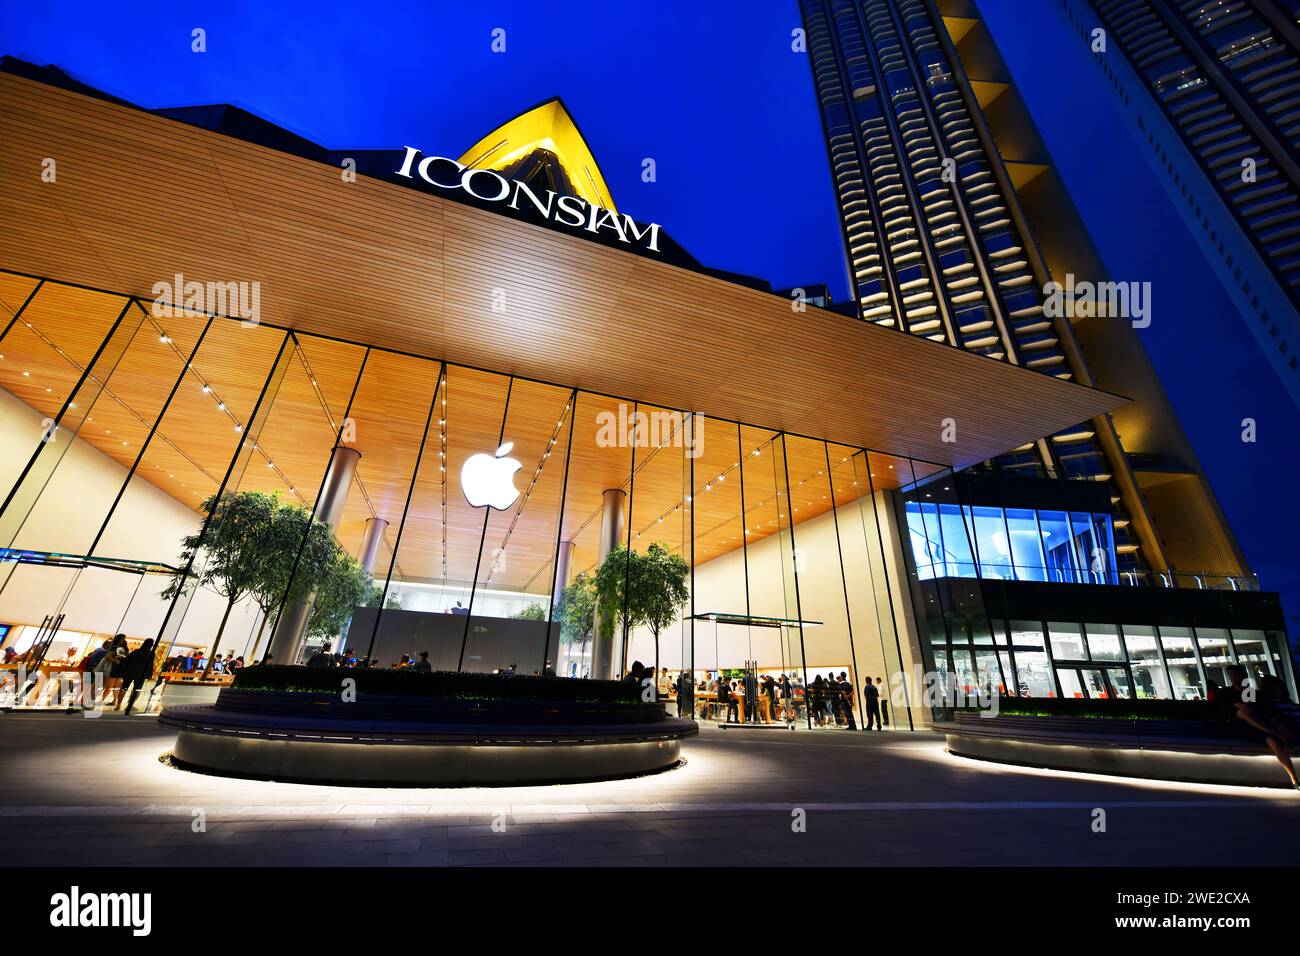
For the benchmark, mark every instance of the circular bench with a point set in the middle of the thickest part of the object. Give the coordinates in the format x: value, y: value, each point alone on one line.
x: 1191, y: 751
x: 412, y: 741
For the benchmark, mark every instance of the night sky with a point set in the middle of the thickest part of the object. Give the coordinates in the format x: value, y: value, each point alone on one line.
x: 726, y: 110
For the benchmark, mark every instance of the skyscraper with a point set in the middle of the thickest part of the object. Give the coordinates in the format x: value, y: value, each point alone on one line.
x: 1211, y: 89
x: 939, y: 245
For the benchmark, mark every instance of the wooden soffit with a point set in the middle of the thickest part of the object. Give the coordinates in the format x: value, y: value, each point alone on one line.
x: 138, y: 198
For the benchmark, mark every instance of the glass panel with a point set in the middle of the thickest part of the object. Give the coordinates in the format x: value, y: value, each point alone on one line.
x: 1057, y: 547
x: 958, y: 560
x: 398, y: 420
x: 1149, y: 675
x: 1067, y: 642
x: 1180, y: 656
x: 1119, y: 682
x: 659, y: 521
x: 1216, y: 655
x: 1026, y: 545
x: 511, y: 601
x: 720, y: 567
x: 991, y: 543
x: 1033, y: 671
x: 1086, y: 553
x: 600, y: 461
x: 1094, y: 683
x: 1103, y: 642
x: 1252, y: 653
x: 1071, y: 682
x: 817, y: 485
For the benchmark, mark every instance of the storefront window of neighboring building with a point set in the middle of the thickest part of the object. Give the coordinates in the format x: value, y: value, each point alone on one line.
x: 1026, y: 545
x: 950, y: 540
x: 1061, y: 567
x: 1149, y: 675
x: 1252, y: 653
x: 954, y: 532
x: 1216, y: 655
x: 1067, y: 642
x: 1103, y: 642
x: 992, y: 547
x: 1180, y: 657
x: 1033, y: 670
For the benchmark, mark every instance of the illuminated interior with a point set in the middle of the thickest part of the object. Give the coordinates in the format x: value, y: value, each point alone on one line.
x: 161, y: 412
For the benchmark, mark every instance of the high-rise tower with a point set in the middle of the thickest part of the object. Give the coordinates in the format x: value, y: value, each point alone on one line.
x: 938, y: 240
x: 1211, y: 90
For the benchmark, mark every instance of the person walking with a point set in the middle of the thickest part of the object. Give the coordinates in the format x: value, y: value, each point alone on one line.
x: 871, y: 696
x: 137, y: 669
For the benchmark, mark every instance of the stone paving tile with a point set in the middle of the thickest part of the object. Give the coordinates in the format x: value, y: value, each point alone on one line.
x: 94, y: 792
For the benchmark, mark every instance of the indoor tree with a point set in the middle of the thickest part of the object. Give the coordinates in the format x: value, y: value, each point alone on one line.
x: 576, y: 611
x: 343, y: 586
x: 657, y: 589
x: 288, y: 577
x: 611, y: 582
x: 236, y: 546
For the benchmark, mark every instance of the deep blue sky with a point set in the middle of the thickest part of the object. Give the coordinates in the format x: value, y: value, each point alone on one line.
x: 713, y: 93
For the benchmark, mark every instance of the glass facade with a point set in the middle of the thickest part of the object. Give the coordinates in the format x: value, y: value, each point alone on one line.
x: 957, y: 549
x: 787, y: 540
x: 1016, y: 544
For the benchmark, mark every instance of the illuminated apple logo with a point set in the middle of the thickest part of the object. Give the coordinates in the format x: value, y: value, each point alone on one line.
x: 488, y: 480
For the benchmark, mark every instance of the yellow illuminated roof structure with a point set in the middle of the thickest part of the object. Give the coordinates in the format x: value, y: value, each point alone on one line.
x: 543, y: 144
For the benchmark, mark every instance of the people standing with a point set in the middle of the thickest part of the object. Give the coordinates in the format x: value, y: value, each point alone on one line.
x: 846, y: 699
x: 110, y: 667
x: 884, y: 701
x: 871, y: 696
x: 137, y: 669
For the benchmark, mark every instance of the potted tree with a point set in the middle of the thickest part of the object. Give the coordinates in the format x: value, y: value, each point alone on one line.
x: 576, y: 612
x: 237, y: 547
x: 637, y: 589
x: 657, y: 589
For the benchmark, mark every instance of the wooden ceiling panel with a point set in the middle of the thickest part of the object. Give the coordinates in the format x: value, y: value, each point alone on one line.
x: 140, y: 197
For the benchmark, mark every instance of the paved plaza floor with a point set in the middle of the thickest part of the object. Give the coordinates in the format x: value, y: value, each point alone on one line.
x: 77, y: 792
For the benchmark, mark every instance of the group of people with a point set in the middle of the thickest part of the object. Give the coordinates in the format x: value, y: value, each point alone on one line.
x: 124, y: 671
x: 419, y: 662
x: 197, y: 662
x: 828, y: 699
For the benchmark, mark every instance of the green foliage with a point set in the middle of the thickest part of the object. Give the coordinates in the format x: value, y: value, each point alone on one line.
x: 611, y: 585
x: 393, y: 602
x: 340, y: 589
x: 440, y: 684
x: 576, y: 610
x: 252, y: 550
x: 237, y: 546
x: 635, y: 589
x: 533, y: 612
x: 657, y: 587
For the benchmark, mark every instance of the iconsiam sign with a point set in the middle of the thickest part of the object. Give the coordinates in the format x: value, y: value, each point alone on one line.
x: 489, y: 186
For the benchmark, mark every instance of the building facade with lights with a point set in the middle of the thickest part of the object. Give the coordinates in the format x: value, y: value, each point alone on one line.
x: 485, y: 377
x: 958, y: 229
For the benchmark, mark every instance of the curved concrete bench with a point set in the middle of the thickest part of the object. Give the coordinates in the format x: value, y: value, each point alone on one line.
x: 394, y: 741
x: 1186, y: 751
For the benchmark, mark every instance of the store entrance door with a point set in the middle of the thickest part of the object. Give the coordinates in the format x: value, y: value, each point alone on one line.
x: 759, y: 681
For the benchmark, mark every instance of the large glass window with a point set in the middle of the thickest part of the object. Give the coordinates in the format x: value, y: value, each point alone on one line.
x: 1067, y: 642
x: 1033, y: 670
x: 1103, y: 642
x: 1216, y: 654
x: 1184, y: 669
x: 1149, y: 677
